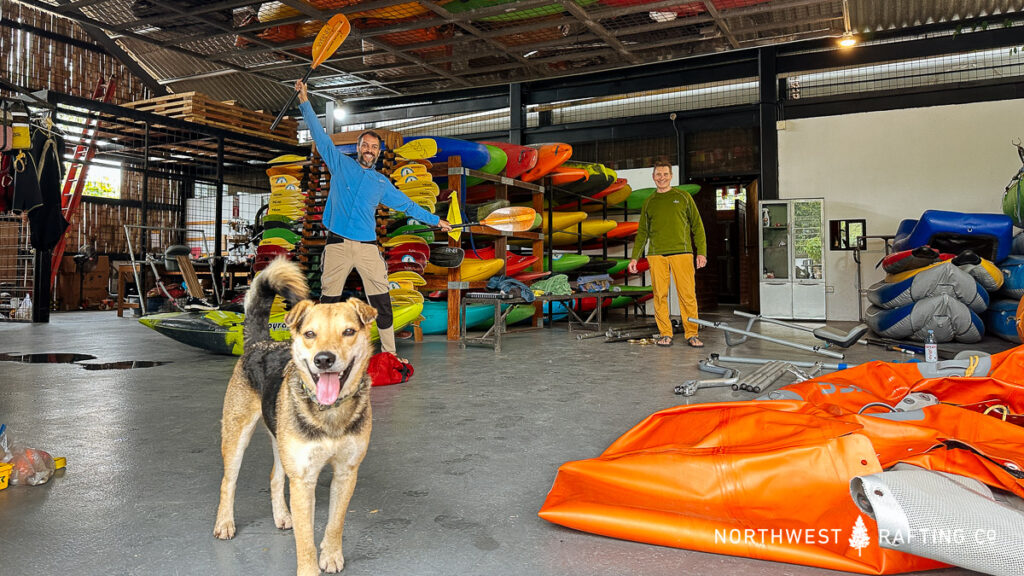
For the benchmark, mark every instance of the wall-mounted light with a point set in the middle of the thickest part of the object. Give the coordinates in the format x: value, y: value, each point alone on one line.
x: 340, y: 113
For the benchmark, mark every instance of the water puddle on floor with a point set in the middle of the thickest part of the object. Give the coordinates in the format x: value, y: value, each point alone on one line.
x: 65, y: 358
x: 126, y: 365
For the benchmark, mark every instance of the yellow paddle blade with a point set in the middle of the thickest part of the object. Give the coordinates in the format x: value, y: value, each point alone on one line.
x: 412, y: 179
x: 330, y: 38
x: 287, y: 159
x: 409, y: 169
x: 420, y: 149
x: 454, y: 218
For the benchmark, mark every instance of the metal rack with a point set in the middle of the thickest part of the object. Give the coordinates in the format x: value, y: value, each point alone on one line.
x: 17, y: 265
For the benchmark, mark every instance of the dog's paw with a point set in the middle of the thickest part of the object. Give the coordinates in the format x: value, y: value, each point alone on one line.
x: 332, y: 562
x: 224, y: 530
x: 284, y: 521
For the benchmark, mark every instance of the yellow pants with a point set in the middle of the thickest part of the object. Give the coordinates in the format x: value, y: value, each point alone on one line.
x: 663, y: 269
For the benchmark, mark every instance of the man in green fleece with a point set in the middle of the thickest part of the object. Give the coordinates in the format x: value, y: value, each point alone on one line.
x: 670, y: 221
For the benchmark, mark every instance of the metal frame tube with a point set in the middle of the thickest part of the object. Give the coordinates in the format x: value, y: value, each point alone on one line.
x: 802, y: 364
x: 723, y: 326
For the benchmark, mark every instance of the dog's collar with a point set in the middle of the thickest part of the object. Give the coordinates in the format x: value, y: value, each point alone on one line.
x: 311, y: 391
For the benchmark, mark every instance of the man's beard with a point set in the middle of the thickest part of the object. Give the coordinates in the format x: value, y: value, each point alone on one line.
x: 362, y: 160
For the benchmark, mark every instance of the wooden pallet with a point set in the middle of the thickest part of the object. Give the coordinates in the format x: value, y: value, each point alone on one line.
x: 201, y: 109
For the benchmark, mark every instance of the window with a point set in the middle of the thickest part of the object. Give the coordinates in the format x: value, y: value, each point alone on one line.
x: 726, y: 196
x: 101, y: 181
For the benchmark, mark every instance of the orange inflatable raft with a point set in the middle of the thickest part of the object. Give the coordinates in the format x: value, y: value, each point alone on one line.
x: 770, y: 478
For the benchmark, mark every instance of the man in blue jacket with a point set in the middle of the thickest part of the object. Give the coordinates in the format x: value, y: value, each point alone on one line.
x: 350, y: 218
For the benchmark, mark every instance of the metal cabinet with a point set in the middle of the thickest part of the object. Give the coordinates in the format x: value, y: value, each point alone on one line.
x: 792, y: 235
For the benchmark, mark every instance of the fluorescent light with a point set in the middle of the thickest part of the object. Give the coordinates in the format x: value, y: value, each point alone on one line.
x: 662, y: 17
x: 530, y: 53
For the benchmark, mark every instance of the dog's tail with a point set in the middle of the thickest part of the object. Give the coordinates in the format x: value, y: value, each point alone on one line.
x: 282, y: 277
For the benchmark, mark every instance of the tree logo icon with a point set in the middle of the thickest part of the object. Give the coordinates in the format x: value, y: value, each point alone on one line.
x: 860, y: 538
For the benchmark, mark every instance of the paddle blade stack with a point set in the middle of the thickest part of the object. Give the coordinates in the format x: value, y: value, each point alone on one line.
x: 415, y: 181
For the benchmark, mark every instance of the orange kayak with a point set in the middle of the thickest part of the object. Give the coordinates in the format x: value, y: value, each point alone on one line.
x: 549, y: 157
x: 562, y: 175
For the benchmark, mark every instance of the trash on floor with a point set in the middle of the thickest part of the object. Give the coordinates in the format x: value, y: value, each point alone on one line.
x: 24, y: 466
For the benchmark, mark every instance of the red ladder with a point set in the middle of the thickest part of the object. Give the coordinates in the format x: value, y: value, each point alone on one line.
x: 74, y: 180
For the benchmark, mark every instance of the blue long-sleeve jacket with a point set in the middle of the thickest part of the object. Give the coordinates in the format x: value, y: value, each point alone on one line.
x: 356, y: 191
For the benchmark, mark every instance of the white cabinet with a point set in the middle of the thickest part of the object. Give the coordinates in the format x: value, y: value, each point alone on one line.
x: 792, y: 234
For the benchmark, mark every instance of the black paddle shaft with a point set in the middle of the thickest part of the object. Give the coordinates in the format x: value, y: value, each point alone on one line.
x: 291, y: 100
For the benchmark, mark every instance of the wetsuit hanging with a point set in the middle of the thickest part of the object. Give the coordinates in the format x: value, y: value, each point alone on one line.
x: 47, y: 220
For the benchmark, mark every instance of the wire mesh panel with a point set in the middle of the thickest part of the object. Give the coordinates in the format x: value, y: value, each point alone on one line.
x: 17, y: 262
x: 626, y: 154
x: 735, y: 151
x: 496, y: 120
x: 992, y: 65
x: 646, y: 103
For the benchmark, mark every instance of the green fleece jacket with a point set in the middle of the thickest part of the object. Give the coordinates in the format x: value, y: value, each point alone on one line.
x: 669, y: 220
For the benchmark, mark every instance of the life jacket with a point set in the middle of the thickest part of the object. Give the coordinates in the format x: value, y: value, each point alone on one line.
x: 386, y: 369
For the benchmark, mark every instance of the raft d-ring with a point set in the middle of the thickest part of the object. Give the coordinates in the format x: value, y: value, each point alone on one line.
x: 1002, y: 409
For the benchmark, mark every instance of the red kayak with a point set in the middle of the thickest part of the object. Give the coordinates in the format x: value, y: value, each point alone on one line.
x: 614, y: 187
x: 514, y: 263
x: 912, y: 259
x: 420, y: 251
x: 622, y: 231
x: 520, y: 158
x: 528, y: 277
x: 642, y: 265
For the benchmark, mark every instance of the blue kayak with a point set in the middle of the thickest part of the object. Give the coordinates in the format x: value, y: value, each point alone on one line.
x: 435, y: 316
x: 472, y: 155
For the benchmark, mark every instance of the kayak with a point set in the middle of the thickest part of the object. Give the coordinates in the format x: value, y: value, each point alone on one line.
x: 471, y: 269
x: 519, y: 158
x: 220, y: 331
x: 435, y: 316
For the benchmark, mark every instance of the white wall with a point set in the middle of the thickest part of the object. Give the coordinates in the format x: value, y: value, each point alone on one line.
x: 889, y: 166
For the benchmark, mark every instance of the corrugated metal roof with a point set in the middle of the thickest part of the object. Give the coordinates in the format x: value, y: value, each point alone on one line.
x: 252, y: 51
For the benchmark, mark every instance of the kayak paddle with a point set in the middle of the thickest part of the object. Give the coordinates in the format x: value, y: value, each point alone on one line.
x: 510, y: 219
x: 327, y: 42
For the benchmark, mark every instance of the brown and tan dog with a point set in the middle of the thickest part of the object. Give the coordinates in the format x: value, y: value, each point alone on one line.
x: 314, y: 396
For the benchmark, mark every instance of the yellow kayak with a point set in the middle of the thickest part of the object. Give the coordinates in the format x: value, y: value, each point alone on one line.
x: 472, y: 269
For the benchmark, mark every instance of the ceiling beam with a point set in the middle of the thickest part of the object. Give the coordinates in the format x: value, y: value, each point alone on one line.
x: 721, y: 23
x: 580, y: 14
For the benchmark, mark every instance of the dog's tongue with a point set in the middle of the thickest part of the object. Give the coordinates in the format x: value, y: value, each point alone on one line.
x: 328, y: 387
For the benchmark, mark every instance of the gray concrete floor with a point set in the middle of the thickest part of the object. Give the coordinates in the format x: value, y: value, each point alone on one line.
x: 460, y: 460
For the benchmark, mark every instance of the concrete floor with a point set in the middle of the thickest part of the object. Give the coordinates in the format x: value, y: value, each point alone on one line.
x: 460, y: 461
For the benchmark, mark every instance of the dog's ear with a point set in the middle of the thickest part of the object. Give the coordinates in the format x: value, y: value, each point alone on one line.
x: 365, y: 312
x: 297, y: 313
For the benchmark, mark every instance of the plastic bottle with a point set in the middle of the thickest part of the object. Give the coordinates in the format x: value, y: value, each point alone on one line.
x: 25, y: 308
x: 931, y: 349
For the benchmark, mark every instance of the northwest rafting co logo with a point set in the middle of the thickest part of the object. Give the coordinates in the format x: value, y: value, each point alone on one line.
x: 860, y: 539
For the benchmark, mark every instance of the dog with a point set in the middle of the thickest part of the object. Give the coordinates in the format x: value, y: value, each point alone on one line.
x: 314, y: 397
